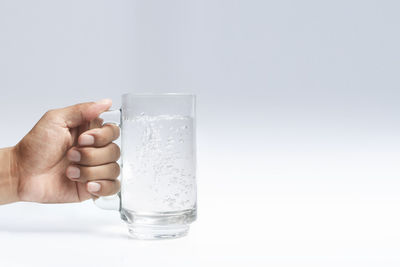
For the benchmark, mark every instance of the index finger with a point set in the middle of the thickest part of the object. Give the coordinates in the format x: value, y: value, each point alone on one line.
x: 99, y: 137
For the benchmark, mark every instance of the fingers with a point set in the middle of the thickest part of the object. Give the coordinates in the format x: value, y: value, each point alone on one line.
x: 92, y: 156
x: 103, y: 187
x: 99, y: 137
x: 79, y: 114
x: 95, y: 170
x: 93, y: 161
x: 83, y: 174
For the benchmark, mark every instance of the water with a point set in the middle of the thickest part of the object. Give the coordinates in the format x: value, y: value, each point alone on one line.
x: 158, y: 174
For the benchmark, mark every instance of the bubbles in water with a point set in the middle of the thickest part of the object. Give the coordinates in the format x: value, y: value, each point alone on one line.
x: 161, y: 170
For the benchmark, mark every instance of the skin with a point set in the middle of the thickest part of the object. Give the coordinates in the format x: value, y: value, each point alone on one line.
x: 68, y: 156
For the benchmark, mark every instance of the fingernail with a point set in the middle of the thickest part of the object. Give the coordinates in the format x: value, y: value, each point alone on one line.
x: 74, y: 155
x: 105, y: 101
x: 86, y: 140
x: 73, y: 172
x: 93, y: 187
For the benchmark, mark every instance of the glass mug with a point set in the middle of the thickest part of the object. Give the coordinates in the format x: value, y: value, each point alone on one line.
x: 158, y: 165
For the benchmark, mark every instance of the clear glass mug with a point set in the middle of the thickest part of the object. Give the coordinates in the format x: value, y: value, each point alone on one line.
x: 158, y: 165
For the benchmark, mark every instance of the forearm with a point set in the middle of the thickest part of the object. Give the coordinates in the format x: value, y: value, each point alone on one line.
x: 8, y: 179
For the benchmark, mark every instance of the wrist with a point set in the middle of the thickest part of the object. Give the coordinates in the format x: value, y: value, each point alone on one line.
x: 8, y: 176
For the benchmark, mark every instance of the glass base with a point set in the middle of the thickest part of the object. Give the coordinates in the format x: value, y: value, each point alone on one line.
x: 157, y: 232
x: 158, y: 225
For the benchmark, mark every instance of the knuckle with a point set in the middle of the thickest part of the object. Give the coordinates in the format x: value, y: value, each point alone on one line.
x: 110, y: 188
x: 115, y: 170
x: 78, y: 110
x: 117, y: 186
x: 50, y: 114
x: 113, y: 188
x: 116, y: 131
x: 112, y: 130
x: 116, y: 150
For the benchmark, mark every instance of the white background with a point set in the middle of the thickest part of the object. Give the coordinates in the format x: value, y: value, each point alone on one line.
x: 298, y: 125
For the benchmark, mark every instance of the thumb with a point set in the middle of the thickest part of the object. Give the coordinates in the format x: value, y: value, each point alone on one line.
x: 75, y: 115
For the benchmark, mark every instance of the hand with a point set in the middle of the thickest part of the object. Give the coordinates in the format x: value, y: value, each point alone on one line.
x: 68, y: 156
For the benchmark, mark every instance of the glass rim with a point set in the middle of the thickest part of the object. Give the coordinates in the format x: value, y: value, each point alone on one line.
x: 158, y: 94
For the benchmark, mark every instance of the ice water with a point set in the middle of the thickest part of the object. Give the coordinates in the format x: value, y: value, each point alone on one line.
x: 158, y: 173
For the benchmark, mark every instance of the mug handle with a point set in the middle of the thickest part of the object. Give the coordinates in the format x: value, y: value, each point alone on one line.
x: 110, y: 202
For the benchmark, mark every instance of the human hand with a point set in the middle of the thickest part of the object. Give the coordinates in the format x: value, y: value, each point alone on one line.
x: 68, y: 156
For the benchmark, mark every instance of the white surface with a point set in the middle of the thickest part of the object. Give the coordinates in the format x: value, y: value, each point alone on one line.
x: 283, y: 216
